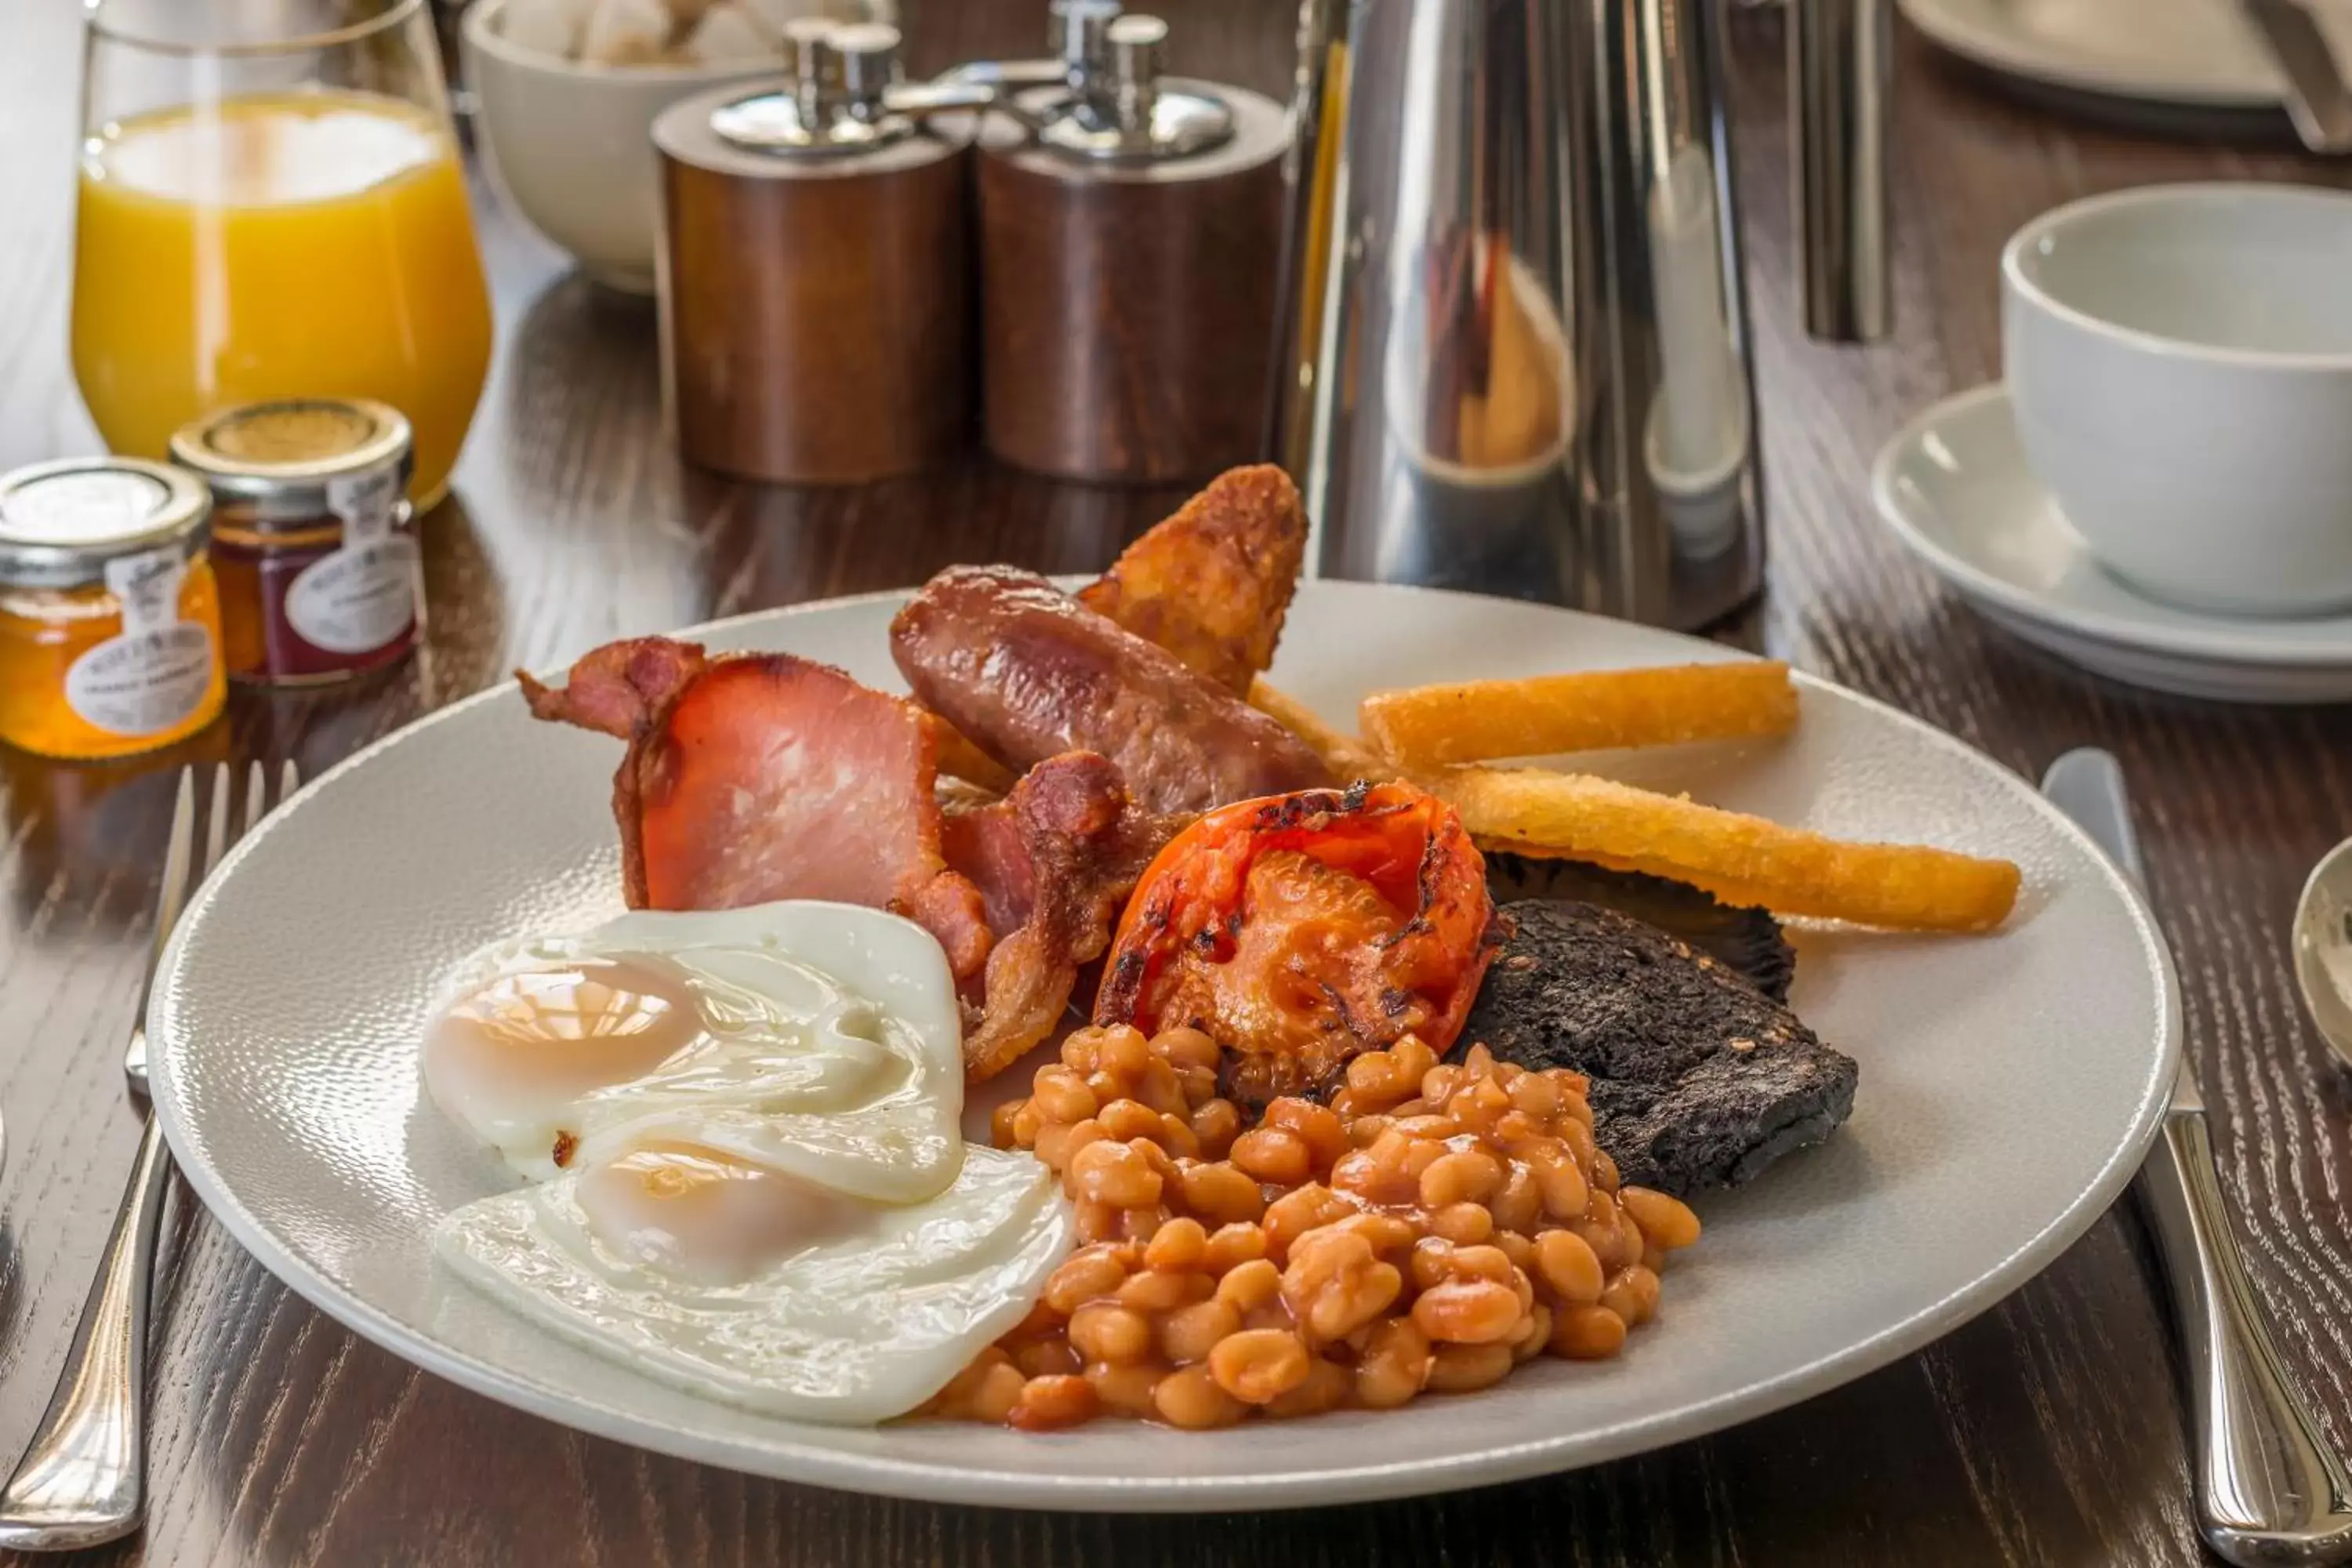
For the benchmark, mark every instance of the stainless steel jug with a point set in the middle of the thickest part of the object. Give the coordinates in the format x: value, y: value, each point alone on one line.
x: 1515, y: 354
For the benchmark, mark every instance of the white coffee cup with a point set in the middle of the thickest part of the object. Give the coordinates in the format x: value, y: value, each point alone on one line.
x: 2180, y: 362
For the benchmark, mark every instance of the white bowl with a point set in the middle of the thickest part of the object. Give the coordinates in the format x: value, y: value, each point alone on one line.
x: 570, y: 144
x: 2180, y: 359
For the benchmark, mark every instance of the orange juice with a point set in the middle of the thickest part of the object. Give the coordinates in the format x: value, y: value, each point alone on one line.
x: 310, y: 243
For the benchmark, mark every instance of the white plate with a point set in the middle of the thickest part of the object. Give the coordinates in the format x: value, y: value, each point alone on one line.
x: 2196, y: 53
x: 2010, y: 1085
x: 1954, y: 488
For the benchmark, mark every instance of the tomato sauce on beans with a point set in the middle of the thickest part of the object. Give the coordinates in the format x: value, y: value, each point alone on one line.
x: 1436, y: 1225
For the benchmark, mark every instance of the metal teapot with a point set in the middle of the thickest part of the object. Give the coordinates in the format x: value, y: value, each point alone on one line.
x: 1513, y: 353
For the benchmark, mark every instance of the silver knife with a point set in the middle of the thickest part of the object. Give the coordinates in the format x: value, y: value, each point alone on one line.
x: 2317, y: 100
x: 2269, y: 1489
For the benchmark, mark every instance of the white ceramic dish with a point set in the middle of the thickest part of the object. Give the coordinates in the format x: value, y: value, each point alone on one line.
x: 570, y: 144
x: 2010, y: 1085
x: 1954, y: 487
x: 2180, y: 362
x: 2193, y: 53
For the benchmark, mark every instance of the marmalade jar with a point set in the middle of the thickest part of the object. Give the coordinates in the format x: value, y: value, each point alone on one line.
x: 110, y: 620
x: 312, y: 535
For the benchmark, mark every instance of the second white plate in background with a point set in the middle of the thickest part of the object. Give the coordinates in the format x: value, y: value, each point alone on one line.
x: 2194, y: 53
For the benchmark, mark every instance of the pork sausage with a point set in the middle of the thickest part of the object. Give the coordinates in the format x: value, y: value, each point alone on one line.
x: 1027, y: 672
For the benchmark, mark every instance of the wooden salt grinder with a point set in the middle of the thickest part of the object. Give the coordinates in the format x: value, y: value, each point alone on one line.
x: 813, y: 276
x: 1129, y: 246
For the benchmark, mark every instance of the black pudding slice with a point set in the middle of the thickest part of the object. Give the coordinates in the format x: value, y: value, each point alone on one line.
x: 1745, y: 940
x: 1699, y: 1080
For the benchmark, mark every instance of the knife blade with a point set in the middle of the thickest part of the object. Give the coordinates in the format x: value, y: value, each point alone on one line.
x: 2269, y: 1489
x: 2087, y: 785
x: 2317, y: 100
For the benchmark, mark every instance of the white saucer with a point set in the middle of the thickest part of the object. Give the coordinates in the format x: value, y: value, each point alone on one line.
x: 2199, y: 53
x: 1954, y: 488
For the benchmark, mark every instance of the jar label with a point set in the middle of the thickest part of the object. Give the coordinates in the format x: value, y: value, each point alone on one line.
x: 358, y: 598
x: 147, y: 585
x: 152, y: 676
x: 366, y: 503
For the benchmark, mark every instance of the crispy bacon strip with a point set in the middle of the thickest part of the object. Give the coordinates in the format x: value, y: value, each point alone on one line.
x: 758, y: 776
x: 752, y: 777
x: 618, y: 687
x: 1054, y: 861
x: 981, y: 838
x: 1212, y: 584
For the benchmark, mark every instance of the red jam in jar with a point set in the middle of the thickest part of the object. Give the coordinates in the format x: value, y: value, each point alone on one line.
x: 314, y: 539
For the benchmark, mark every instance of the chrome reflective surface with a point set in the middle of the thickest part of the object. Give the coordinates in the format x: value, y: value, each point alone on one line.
x: 1839, y: 55
x: 838, y: 94
x: 1121, y: 106
x: 1513, y: 323
x: 1114, y: 103
x: 82, y: 1480
x: 2269, y: 1488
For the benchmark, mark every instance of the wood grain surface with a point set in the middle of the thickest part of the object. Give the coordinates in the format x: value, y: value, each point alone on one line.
x: 1125, y: 309
x: 2049, y: 1431
x: 821, y: 326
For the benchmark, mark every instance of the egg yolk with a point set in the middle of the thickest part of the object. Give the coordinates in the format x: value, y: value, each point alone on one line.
x: 526, y: 1046
x: 706, y: 1216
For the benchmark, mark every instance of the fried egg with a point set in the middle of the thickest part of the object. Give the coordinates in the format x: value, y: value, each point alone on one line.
x: 755, y: 1287
x: 820, y: 1040
x: 748, y: 1179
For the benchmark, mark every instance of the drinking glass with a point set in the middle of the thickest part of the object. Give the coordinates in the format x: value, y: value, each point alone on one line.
x: 272, y: 204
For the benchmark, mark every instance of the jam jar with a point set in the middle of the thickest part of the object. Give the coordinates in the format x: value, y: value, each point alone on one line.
x: 312, y: 535
x: 110, y: 620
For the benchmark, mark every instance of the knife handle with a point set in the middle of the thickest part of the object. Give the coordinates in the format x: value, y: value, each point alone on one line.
x: 2269, y: 1489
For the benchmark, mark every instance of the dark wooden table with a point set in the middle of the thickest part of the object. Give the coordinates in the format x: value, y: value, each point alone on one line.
x: 2050, y: 1430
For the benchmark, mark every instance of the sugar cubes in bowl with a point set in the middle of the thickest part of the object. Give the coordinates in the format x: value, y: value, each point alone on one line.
x: 569, y: 89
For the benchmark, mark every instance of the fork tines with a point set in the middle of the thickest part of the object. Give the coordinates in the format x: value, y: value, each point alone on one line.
x: 260, y: 800
x: 183, y: 876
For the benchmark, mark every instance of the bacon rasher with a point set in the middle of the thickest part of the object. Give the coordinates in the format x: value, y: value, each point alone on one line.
x: 753, y: 777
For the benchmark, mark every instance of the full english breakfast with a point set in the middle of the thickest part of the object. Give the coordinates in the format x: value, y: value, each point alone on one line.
x: 1356, y: 1066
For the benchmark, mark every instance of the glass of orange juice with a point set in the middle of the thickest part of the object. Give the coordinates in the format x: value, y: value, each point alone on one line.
x: 272, y: 205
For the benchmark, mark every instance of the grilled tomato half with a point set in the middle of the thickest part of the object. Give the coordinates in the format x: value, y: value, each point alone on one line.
x: 1301, y: 929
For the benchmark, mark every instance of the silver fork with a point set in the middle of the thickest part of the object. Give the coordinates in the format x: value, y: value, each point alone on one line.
x: 83, y: 1481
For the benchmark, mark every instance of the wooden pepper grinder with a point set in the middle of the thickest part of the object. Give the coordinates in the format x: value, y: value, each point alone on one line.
x: 1130, y: 228
x: 813, y: 276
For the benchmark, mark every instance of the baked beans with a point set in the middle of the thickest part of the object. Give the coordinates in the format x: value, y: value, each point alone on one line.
x: 1434, y: 1226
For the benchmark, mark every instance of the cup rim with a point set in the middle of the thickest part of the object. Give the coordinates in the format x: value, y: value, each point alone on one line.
x: 2021, y: 284
x: 395, y: 13
x: 476, y: 25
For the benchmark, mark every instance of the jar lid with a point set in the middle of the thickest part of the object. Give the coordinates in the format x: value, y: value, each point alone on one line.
x: 278, y: 458
x: 61, y: 522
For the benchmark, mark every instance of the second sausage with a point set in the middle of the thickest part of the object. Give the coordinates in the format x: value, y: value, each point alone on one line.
x: 1027, y: 672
